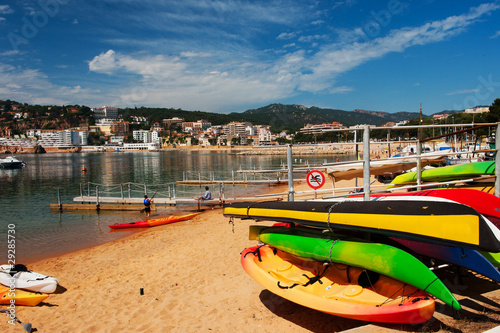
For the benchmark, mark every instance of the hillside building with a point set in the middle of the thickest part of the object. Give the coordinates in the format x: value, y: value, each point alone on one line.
x: 105, y: 112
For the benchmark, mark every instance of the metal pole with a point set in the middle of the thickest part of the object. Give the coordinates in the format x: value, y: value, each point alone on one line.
x: 121, y: 190
x: 290, y: 173
x: 88, y: 189
x: 497, y: 161
x: 356, y: 149
x: 366, y: 164
x: 81, y: 190
x: 388, y: 143
x: 129, y: 191
x: 419, y: 164
x: 145, y: 189
x: 173, y: 185
x: 59, y: 197
x: 97, y: 196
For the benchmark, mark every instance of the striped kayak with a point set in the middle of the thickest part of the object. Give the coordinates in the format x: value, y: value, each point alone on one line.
x: 446, y: 223
x: 154, y: 222
x: 344, y: 291
x: 483, y: 202
x: 447, y: 173
x: 380, y: 258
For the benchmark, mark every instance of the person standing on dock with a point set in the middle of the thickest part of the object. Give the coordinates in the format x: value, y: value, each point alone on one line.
x: 207, y: 196
x: 147, y: 205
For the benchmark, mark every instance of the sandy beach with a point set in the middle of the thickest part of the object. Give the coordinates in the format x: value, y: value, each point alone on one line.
x: 192, y: 281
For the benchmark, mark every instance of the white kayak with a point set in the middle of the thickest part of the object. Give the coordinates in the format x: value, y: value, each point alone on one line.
x: 20, y: 277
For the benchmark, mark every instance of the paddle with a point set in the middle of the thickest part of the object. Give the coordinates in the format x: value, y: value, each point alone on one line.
x: 27, y: 327
x: 142, y: 210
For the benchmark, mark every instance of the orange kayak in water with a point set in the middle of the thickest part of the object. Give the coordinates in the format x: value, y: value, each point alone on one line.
x: 154, y: 222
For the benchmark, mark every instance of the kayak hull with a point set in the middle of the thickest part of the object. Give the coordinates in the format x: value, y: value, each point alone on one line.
x: 467, y: 258
x: 28, y: 280
x: 154, y: 222
x: 336, y: 289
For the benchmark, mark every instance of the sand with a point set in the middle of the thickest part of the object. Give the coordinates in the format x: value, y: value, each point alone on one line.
x: 192, y: 281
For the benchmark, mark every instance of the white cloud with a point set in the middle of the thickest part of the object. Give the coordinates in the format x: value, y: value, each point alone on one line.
x: 336, y: 59
x: 27, y: 85
x: 5, y: 9
x: 496, y: 35
x: 286, y: 35
x: 462, y: 92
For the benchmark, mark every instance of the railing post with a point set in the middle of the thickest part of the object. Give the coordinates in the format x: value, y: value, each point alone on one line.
x: 419, y: 163
x: 81, y: 190
x: 121, y: 190
x: 59, y: 198
x: 366, y: 164
x: 290, y: 173
x: 145, y: 189
x: 129, y: 191
x: 97, y: 196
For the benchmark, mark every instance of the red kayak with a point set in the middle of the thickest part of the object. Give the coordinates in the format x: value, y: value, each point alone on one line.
x: 152, y: 223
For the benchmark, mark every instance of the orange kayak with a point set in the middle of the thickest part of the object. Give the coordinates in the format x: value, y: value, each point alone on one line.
x: 337, y: 289
x: 154, y: 222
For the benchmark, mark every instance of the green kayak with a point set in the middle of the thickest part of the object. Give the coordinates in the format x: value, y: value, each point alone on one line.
x: 447, y: 173
x: 380, y: 258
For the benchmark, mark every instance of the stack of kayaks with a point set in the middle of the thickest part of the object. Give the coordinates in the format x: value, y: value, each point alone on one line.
x: 448, y: 173
x: 153, y: 222
x: 24, y: 287
x: 314, y: 238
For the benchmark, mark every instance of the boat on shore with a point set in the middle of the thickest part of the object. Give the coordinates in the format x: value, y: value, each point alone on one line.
x: 11, y: 162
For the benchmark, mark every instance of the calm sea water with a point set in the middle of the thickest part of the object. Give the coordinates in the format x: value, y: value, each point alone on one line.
x: 26, y: 194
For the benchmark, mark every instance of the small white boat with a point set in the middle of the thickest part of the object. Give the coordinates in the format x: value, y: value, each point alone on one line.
x: 10, y: 162
x: 18, y: 276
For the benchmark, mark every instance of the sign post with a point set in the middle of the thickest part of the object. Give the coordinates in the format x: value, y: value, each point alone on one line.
x: 315, y: 179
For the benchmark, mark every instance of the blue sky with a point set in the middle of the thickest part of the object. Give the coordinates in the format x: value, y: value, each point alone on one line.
x: 233, y: 55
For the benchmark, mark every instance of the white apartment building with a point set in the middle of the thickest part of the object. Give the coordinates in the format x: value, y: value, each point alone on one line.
x: 54, y: 138
x: 478, y: 109
x: 234, y: 128
x: 105, y: 112
x: 146, y: 136
x: 320, y: 128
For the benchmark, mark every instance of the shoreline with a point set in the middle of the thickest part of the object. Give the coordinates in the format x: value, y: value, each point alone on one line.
x: 192, y: 281
x: 377, y: 149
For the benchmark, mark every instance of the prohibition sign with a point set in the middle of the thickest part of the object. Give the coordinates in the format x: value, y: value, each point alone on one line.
x: 315, y: 179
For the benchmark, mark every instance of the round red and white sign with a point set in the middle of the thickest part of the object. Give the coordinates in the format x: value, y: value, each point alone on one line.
x: 315, y: 179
